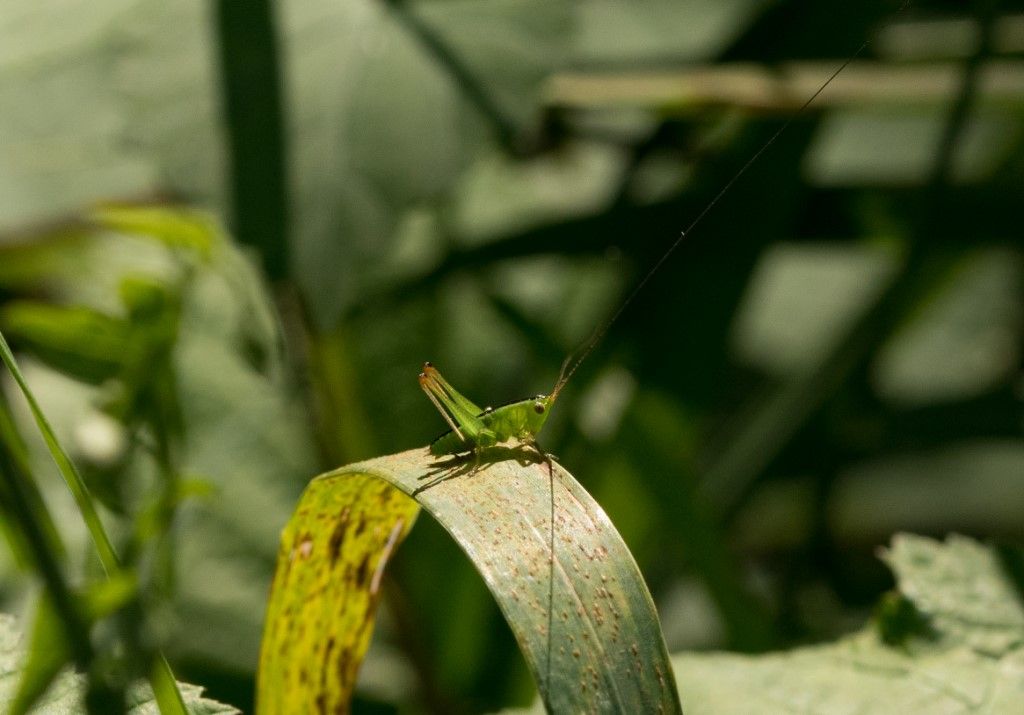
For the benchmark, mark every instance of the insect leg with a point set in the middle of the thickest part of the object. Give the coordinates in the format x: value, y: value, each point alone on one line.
x: 551, y: 549
x: 435, y: 376
x: 465, y: 423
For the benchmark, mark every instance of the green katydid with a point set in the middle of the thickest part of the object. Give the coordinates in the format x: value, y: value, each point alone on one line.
x: 477, y: 429
x: 474, y: 429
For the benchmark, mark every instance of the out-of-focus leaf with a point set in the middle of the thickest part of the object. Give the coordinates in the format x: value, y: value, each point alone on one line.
x: 510, y: 45
x: 800, y: 300
x: 858, y: 674
x: 65, y: 695
x: 81, y: 342
x: 927, y: 491
x: 244, y: 429
x: 586, y: 623
x: 166, y: 691
x: 962, y: 589
x: 247, y: 435
x: 173, y: 226
x: 873, y: 147
x: 95, y: 114
x: 928, y: 38
x: 500, y: 195
x: 72, y: 478
x: 613, y: 32
x: 965, y: 340
x: 105, y: 597
x: 48, y: 653
x: 12, y: 444
x: 959, y: 344
x: 971, y: 658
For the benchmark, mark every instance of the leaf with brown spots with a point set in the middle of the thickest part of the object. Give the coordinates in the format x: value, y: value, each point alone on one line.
x: 585, y: 621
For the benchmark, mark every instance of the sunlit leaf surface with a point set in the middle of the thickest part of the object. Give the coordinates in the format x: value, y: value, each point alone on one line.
x: 966, y: 654
x: 586, y: 625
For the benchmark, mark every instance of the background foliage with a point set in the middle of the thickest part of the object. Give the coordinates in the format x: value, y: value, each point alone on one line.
x: 834, y: 354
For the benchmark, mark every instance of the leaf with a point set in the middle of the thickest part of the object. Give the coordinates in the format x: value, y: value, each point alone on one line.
x: 961, y: 588
x: 177, y: 228
x: 49, y: 651
x: 958, y: 665
x: 245, y: 433
x: 78, y: 341
x: 76, y: 485
x: 326, y: 588
x: 605, y: 652
x: 47, y: 656
x: 656, y: 35
x: 169, y: 698
x: 93, y: 115
x: 65, y: 695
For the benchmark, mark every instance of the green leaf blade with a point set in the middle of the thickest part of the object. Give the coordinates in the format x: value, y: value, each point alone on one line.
x: 605, y: 653
x: 76, y: 485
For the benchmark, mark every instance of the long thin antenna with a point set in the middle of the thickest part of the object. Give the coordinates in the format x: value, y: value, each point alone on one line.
x: 595, y: 338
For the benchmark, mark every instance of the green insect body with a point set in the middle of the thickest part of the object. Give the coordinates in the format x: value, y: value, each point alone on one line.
x: 475, y: 429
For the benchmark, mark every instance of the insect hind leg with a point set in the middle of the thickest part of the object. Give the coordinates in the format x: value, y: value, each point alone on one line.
x: 549, y: 460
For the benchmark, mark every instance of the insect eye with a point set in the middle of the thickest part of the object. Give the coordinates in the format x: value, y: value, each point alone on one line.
x: 538, y: 407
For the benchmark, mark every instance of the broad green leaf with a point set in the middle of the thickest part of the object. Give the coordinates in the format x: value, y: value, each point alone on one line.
x: 93, y: 115
x: 586, y: 623
x: 962, y: 589
x: 65, y: 695
x: 968, y: 656
x: 856, y: 675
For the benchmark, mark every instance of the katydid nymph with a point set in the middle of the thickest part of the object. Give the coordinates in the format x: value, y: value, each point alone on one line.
x: 475, y: 430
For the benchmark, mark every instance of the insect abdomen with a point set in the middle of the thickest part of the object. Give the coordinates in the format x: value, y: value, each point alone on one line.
x: 449, y: 443
x: 505, y: 422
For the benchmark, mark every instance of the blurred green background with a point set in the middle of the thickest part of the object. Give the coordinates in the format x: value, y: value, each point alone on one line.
x: 833, y: 355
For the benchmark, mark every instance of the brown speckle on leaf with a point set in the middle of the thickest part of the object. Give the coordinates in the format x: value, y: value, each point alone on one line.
x: 335, y: 541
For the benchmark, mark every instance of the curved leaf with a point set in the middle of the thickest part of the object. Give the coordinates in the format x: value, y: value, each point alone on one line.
x: 605, y: 652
